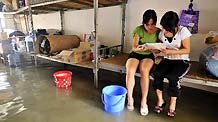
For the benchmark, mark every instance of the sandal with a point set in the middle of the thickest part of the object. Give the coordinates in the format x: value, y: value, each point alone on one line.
x: 130, y: 107
x: 144, y: 111
x: 159, y: 109
x: 171, y: 113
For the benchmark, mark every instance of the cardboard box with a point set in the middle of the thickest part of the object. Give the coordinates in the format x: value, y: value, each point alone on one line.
x: 7, y: 2
x: 14, y: 4
x: 39, y: 1
x: 84, y: 45
x: 75, y: 55
x: 66, y: 55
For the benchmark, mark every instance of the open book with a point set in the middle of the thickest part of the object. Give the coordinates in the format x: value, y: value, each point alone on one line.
x: 158, y: 46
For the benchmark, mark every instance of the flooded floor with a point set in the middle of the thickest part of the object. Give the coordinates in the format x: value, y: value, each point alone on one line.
x: 29, y: 94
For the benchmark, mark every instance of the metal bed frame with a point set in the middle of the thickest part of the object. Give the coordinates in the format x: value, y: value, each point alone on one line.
x: 64, y: 5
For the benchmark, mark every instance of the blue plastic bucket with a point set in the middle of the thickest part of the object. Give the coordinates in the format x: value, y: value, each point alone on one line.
x: 113, y: 98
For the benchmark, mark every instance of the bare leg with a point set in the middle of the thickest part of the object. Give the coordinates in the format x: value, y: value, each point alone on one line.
x: 171, y: 112
x: 173, y: 103
x: 145, y: 67
x: 131, y: 67
x: 160, y: 100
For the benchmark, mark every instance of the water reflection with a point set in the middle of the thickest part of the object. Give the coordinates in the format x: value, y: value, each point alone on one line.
x: 120, y: 117
x: 10, y: 105
x: 6, y: 92
x: 11, y: 108
x: 17, y: 73
x: 4, y: 85
x: 3, y: 77
x: 64, y: 92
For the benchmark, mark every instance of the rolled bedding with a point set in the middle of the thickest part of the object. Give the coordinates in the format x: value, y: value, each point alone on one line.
x: 48, y: 44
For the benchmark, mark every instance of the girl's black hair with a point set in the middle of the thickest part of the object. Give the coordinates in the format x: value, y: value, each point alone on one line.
x: 149, y: 14
x: 170, y: 21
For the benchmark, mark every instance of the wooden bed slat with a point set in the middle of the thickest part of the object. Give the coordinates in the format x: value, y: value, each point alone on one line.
x: 196, y: 71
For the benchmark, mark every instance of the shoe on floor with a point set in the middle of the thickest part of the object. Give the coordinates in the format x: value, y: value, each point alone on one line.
x: 159, y: 109
x: 130, y: 104
x: 171, y: 113
x: 144, y: 111
x: 130, y: 107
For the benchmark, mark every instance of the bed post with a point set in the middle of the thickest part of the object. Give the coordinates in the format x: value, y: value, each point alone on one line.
x: 62, y: 20
x: 123, y: 24
x: 32, y: 29
x: 96, y: 62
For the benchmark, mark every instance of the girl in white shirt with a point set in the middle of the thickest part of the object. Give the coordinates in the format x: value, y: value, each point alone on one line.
x: 175, y: 63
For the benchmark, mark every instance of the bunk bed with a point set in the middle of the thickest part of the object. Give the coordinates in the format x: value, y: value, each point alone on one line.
x: 48, y: 6
x: 197, y: 75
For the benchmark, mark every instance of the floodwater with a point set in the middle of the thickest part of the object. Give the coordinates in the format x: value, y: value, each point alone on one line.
x: 28, y: 94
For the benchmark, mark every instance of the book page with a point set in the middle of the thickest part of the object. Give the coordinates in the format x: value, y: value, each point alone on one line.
x: 157, y: 46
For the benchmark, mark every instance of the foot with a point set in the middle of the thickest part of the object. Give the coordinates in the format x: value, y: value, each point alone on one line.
x: 144, y: 111
x: 158, y: 109
x: 171, y: 113
x: 172, y: 106
x: 130, y: 104
x: 160, y: 102
x: 172, y: 109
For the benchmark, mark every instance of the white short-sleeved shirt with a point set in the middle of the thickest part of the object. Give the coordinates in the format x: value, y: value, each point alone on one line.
x: 176, y: 43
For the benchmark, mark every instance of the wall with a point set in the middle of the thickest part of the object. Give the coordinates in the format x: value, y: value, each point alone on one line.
x: 109, y: 24
x: 109, y: 21
x: 207, y: 20
x: 44, y: 21
x: 10, y: 23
